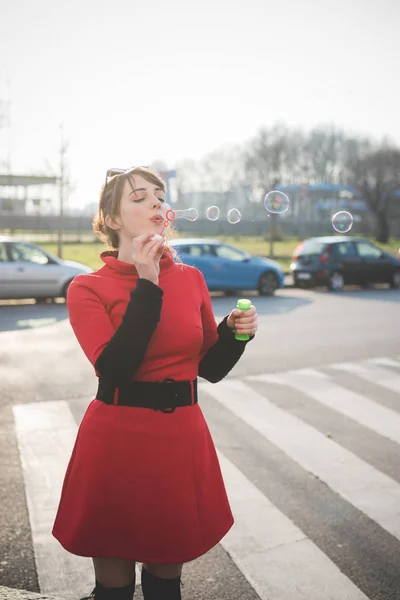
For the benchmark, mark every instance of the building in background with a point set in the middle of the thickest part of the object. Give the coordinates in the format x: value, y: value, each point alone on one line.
x: 26, y: 194
x: 317, y: 202
x: 239, y: 196
x: 26, y: 201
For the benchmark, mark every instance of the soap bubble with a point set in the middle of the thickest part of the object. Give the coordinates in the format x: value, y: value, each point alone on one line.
x: 190, y: 214
x: 234, y: 216
x: 276, y: 202
x: 342, y: 221
x: 212, y: 213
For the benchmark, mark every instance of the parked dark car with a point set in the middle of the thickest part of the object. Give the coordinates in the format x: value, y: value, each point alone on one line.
x: 337, y: 261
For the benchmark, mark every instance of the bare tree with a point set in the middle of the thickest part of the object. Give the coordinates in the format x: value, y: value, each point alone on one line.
x: 375, y: 171
x: 269, y: 156
x: 273, y: 157
x: 323, y: 154
x: 211, y: 180
x: 280, y: 155
x: 159, y: 165
x: 189, y: 179
x: 222, y: 169
x: 3, y: 125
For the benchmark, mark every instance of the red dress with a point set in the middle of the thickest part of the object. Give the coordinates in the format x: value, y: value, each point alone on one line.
x: 142, y: 484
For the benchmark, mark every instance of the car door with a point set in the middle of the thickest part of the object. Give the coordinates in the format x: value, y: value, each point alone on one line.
x: 376, y: 266
x: 7, y: 282
x: 348, y: 261
x: 231, y: 267
x: 200, y: 256
x: 34, y: 274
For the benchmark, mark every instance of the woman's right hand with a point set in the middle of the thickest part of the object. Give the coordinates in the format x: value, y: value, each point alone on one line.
x: 146, y: 254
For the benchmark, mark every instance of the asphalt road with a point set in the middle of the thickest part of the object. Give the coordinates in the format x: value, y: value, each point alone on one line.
x: 40, y: 360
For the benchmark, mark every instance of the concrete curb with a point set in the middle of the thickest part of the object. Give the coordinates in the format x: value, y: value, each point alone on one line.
x: 15, y: 594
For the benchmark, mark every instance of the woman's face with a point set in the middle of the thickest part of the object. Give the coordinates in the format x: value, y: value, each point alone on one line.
x: 142, y: 208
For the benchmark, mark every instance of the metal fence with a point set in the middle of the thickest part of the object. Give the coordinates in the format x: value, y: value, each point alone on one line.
x: 81, y: 226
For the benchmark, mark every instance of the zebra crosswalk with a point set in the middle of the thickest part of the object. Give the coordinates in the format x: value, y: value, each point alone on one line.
x: 311, y: 462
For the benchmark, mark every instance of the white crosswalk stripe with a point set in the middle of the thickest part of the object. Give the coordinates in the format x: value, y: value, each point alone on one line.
x: 264, y: 540
x: 371, y: 373
x: 46, y: 433
x: 321, y: 388
x: 384, y: 361
x: 351, y: 477
x: 273, y: 553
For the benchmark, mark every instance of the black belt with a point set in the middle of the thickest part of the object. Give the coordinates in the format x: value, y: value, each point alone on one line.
x: 165, y: 396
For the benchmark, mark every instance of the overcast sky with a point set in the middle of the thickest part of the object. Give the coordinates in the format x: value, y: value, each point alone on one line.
x: 134, y: 82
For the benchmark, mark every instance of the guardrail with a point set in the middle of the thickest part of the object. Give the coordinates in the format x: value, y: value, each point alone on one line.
x: 82, y: 226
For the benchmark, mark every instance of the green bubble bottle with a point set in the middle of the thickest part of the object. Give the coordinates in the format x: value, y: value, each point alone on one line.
x: 243, y: 304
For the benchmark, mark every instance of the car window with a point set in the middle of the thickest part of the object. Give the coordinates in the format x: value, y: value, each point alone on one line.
x: 345, y: 249
x: 206, y: 250
x: 26, y: 253
x: 367, y: 250
x: 184, y: 249
x: 3, y: 253
x: 311, y: 247
x: 198, y: 250
x: 228, y: 252
x: 195, y: 250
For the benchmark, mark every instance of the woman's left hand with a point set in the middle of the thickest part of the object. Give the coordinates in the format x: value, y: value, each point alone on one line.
x: 243, y: 321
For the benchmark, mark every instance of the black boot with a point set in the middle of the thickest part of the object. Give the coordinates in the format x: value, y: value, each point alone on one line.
x: 159, y: 588
x: 102, y: 592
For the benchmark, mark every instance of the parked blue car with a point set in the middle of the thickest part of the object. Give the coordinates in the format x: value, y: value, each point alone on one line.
x: 226, y: 268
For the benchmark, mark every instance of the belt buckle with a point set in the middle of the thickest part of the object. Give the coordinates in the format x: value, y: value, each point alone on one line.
x: 165, y: 385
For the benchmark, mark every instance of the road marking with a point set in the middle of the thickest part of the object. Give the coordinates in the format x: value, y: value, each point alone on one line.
x: 46, y: 433
x: 366, y: 488
x: 34, y: 323
x: 384, y: 362
x: 371, y: 373
x: 376, y: 417
x: 276, y: 557
x: 279, y: 561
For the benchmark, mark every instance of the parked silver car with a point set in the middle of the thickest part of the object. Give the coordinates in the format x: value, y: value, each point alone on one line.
x: 29, y: 271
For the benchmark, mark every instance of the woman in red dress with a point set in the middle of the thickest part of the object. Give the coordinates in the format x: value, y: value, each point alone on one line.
x: 143, y: 482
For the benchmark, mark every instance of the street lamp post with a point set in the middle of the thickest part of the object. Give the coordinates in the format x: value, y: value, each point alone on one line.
x: 63, y: 150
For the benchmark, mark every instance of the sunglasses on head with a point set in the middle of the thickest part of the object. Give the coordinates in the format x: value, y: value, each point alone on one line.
x: 112, y: 172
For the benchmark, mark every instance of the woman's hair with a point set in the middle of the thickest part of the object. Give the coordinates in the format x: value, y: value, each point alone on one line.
x: 110, y: 201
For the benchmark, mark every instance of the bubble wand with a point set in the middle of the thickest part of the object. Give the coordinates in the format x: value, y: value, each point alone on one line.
x: 190, y: 214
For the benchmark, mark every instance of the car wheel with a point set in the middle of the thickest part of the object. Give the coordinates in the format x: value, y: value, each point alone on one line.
x: 395, y: 282
x: 336, y: 281
x: 267, y: 284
